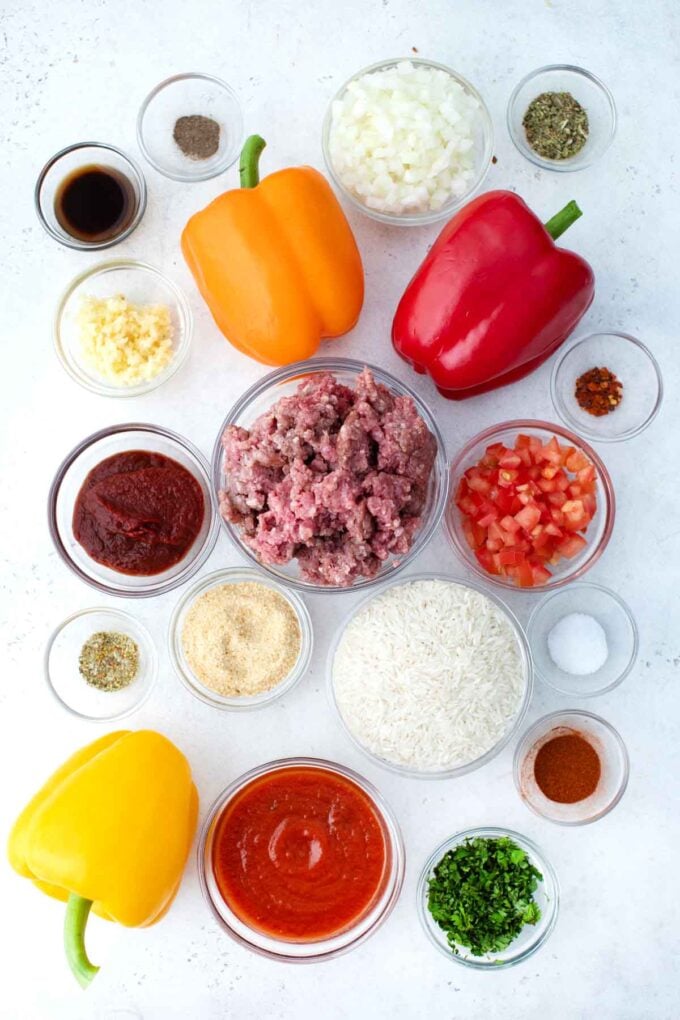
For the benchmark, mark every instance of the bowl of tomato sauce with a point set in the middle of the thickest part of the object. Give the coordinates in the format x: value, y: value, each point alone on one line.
x: 301, y: 859
x: 531, y: 505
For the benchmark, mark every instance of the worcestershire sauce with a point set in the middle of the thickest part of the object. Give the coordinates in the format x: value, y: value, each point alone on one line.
x: 95, y: 203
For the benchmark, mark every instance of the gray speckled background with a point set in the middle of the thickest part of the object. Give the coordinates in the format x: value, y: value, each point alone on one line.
x: 74, y: 70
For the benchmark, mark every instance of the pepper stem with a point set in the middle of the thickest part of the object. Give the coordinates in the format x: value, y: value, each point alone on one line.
x: 77, y: 913
x: 562, y: 220
x: 249, y: 164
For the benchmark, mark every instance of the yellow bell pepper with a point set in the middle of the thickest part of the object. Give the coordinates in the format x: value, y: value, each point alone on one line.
x: 276, y: 262
x: 110, y: 831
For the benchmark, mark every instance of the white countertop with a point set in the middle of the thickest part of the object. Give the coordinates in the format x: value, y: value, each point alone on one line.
x: 74, y: 70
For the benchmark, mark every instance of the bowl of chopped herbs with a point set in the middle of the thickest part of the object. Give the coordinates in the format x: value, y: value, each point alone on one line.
x: 488, y: 898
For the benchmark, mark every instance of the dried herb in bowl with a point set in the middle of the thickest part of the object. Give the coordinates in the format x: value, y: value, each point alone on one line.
x: 482, y: 894
x: 556, y: 125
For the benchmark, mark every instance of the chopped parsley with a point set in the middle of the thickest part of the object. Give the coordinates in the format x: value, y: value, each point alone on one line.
x: 482, y: 894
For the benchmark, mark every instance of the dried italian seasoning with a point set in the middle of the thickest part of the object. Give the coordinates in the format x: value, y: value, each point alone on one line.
x: 556, y: 125
x: 109, y: 661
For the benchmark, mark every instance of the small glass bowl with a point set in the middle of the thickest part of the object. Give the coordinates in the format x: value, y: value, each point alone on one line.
x: 458, y: 770
x: 529, y: 940
x: 303, y: 952
x: 69, y: 687
x: 184, y: 670
x: 283, y: 383
x: 589, y: 91
x: 67, y: 484
x: 600, y: 528
x: 613, y: 758
x: 632, y: 363
x: 141, y: 284
x: 483, y: 149
x: 614, y: 617
x: 61, y: 165
x: 185, y: 95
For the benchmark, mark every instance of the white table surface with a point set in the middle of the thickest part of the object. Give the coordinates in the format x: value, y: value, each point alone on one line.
x: 73, y: 70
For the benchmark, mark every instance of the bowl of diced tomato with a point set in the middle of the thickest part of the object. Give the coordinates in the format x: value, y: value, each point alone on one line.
x: 531, y: 506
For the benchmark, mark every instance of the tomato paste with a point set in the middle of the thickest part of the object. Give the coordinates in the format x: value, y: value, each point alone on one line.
x: 138, y: 512
x: 300, y: 854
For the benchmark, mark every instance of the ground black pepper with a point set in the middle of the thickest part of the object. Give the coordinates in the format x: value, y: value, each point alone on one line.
x: 197, y: 136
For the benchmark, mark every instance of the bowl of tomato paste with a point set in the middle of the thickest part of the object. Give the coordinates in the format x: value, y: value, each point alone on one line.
x: 131, y: 510
x: 301, y: 859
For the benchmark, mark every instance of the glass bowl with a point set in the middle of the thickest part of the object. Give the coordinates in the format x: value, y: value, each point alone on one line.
x: 186, y: 674
x: 588, y: 90
x: 67, y: 483
x: 185, y: 95
x: 599, y: 531
x: 303, y: 952
x: 284, y: 382
x: 140, y: 283
x: 529, y: 940
x: 68, y: 686
x: 632, y: 363
x: 458, y: 770
x: 614, y: 617
x: 613, y: 758
x: 483, y: 150
x: 61, y: 165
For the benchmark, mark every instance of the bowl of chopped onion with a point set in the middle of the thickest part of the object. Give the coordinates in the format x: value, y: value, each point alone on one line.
x: 407, y: 141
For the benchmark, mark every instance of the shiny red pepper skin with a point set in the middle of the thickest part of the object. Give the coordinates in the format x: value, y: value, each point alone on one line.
x: 492, y: 300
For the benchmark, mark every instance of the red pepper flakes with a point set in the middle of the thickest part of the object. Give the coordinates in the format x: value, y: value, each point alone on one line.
x: 598, y: 391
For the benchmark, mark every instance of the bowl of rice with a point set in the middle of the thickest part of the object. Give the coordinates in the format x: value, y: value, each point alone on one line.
x: 407, y: 141
x: 430, y: 676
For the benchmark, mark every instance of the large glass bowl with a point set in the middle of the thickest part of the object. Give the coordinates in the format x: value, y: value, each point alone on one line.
x: 283, y: 383
x: 599, y: 531
x: 513, y: 727
x: 529, y: 940
x: 67, y: 483
x: 483, y: 145
x: 312, y: 951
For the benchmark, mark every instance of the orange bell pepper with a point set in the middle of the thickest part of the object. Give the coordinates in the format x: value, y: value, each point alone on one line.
x: 276, y: 262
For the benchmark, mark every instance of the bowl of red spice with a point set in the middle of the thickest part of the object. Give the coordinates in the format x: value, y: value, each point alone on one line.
x: 571, y: 767
x: 607, y: 387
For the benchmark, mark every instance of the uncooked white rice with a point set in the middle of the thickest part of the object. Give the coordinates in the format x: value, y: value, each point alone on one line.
x: 429, y: 675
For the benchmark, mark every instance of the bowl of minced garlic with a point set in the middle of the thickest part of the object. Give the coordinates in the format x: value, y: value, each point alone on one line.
x: 122, y: 328
x: 239, y: 640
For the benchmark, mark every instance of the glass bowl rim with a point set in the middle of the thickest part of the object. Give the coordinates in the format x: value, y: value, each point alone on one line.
x: 527, y: 151
x: 525, y: 654
x: 380, y: 805
x: 299, y: 369
x: 591, y: 433
x: 134, y: 624
x: 285, y: 686
x: 627, y: 612
x: 528, y: 425
x: 433, y: 216
x: 74, y: 243
x: 539, y: 859
x: 218, y: 168
x: 541, y: 726
x: 184, y: 310
x: 70, y: 459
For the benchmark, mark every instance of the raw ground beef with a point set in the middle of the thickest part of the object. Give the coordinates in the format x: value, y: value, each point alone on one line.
x: 334, y: 477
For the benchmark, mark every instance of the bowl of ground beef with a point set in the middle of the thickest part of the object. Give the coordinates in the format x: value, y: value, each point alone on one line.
x: 330, y: 474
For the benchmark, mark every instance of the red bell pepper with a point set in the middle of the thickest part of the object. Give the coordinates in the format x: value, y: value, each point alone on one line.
x: 493, y: 298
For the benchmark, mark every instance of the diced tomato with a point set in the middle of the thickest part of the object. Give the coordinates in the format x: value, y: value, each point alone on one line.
x: 577, y: 461
x: 510, y: 459
x: 488, y: 518
x: 541, y: 574
x: 524, y: 575
x: 487, y: 561
x: 509, y: 524
x: 479, y: 484
x: 510, y: 557
x: 507, y: 477
x: 571, y: 546
x: 528, y: 517
x: 551, y: 452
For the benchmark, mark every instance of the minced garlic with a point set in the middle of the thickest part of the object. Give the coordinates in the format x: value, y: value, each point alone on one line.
x: 124, y: 343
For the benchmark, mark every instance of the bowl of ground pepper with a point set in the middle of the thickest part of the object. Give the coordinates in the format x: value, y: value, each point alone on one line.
x: 190, y: 127
x: 561, y: 117
x: 239, y: 640
x: 571, y: 767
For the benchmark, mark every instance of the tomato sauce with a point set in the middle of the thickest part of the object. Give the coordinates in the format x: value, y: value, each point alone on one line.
x: 138, y: 512
x: 300, y: 854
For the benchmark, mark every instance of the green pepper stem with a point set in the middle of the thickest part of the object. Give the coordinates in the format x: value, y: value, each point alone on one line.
x: 249, y: 164
x: 77, y: 913
x: 562, y: 220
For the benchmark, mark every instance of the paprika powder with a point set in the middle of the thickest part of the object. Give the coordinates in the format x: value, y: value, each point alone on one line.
x: 567, y: 767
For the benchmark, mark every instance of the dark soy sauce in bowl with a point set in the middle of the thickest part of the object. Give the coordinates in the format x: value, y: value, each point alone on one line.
x: 95, y: 203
